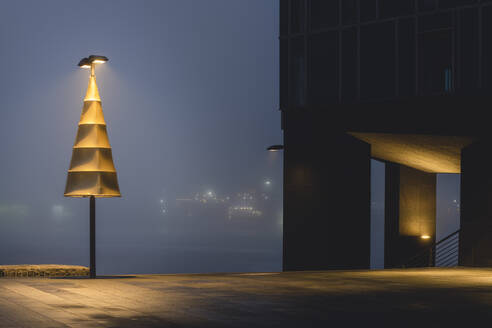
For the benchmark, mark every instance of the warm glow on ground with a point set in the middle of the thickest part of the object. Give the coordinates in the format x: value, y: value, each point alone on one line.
x: 287, y: 299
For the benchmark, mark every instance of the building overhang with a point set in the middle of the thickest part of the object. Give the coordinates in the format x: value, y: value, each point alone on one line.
x: 428, y: 153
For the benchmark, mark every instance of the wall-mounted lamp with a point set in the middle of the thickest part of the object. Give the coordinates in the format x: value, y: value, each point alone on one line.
x: 276, y: 148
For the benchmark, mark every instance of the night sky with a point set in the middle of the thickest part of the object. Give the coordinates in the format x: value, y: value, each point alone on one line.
x: 190, y: 96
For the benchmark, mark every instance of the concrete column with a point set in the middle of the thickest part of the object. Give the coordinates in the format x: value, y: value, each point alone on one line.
x: 475, y: 248
x: 326, y: 196
x: 410, y: 213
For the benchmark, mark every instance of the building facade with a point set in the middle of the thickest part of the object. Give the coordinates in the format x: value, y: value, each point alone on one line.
x: 407, y: 82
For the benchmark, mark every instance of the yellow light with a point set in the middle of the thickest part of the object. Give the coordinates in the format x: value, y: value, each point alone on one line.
x: 425, y: 237
x: 85, y: 66
x: 91, y: 171
x: 98, y: 61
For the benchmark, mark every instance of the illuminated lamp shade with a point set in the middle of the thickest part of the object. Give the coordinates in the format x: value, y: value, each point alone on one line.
x: 92, y: 172
x: 84, y: 63
x: 97, y: 59
x: 275, y: 148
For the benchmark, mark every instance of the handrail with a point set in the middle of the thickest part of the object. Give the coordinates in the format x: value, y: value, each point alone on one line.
x: 431, y: 250
x: 449, y: 236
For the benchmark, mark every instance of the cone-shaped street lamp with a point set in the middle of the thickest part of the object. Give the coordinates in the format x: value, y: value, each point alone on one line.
x: 92, y: 173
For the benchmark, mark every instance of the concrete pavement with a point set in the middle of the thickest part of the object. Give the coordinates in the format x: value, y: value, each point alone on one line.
x: 397, y: 298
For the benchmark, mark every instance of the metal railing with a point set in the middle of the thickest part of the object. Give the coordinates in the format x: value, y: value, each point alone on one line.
x: 443, y: 253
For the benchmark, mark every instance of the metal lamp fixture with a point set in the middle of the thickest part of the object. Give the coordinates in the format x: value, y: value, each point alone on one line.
x: 85, y: 63
x: 92, y: 173
x: 275, y: 148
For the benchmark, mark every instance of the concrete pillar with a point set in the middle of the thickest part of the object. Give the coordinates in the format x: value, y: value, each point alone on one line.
x: 410, y: 213
x: 475, y: 248
x: 326, y: 196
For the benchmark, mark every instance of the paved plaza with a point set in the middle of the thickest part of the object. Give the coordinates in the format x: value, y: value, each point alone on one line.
x: 386, y: 298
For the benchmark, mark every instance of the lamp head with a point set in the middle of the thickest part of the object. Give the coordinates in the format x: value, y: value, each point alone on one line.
x: 84, y: 63
x: 93, y: 59
x: 275, y: 148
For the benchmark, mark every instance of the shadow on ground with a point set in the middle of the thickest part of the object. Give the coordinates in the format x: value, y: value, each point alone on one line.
x: 98, y: 277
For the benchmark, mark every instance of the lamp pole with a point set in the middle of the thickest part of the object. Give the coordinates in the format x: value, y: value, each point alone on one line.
x: 92, y: 273
x: 92, y: 210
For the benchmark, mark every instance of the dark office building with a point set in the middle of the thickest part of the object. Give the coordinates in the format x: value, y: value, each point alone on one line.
x: 407, y: 82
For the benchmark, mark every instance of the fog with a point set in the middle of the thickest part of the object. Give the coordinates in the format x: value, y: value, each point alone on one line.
x: 190, y: 96
x: 190, y: 100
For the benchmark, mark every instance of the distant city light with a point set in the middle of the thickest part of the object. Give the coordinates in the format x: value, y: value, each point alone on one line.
x: 268, y: 182
x: 242, y: 205
x: 57, y: 210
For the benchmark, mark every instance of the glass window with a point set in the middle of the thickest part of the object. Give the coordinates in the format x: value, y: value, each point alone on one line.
x: 368, y: 10
x: 349, y: 64
x: 406, y: 57
x: 427, y: 5
x: 283, y: 74
x: 297, y: 73
x: 445, y: 4
x: 297, y: 16
x: 349, y: 11
x: 377, y: 61
x: 487, y: 46
x: 284, y: 17
x: 468, y: 35
x: 323, y: 69
x: 435, y: 62
x: 324, y: 14
x: 392, y: 8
